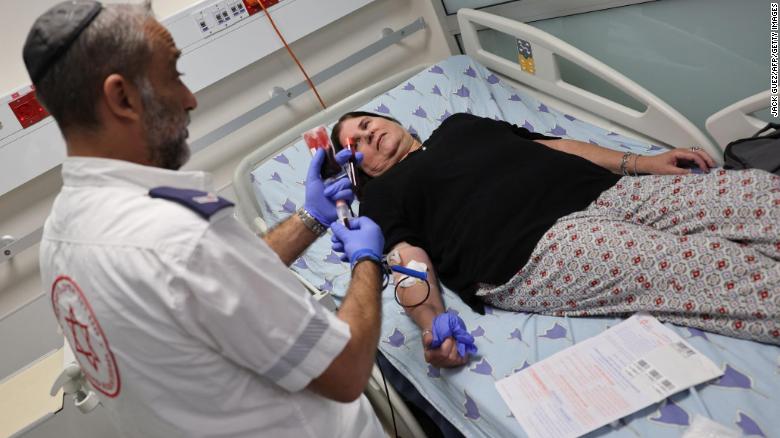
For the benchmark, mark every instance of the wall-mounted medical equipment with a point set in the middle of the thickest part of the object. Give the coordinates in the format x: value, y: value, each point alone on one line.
x: 217, y: 38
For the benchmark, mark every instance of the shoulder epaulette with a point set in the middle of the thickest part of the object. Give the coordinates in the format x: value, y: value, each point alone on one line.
x: 203, y: 203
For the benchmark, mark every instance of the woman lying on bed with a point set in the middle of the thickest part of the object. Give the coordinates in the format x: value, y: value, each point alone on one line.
x: 526, y: 222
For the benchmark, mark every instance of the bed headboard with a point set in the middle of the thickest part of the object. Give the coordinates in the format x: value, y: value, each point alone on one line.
x: 735, y: 121
x: 658, y: 121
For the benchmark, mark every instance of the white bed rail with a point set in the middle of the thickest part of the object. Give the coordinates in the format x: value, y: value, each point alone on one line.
x: 735, y: 121
x: 659, y: 120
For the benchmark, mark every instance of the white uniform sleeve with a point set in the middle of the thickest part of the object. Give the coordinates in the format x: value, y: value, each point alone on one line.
x: 240, y: 299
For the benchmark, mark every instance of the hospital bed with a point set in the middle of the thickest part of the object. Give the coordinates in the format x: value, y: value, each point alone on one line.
x: 269, y: 187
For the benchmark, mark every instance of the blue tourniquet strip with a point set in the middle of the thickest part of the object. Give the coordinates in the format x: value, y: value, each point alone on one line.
x: 410, y: 272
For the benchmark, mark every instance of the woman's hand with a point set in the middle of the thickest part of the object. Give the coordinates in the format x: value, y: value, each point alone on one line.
x: 674, y: 162
x: 446, y: 356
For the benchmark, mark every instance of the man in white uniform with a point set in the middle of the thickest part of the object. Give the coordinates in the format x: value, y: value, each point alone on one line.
x: 184, y: 322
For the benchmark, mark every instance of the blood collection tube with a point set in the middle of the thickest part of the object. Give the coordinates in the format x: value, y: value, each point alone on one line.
x: 351, y: 173
x: 342, y: 211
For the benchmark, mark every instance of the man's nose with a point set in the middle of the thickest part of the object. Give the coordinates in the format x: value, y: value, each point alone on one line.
x: 190, y: 102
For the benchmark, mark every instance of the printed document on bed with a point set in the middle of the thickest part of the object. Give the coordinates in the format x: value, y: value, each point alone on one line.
x: 602, y: 379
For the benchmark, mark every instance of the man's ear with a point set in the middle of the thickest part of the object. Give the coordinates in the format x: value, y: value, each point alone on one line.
x: 122, y: 98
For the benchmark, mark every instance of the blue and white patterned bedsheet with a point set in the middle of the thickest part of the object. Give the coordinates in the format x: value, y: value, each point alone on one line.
x: 746, y: 398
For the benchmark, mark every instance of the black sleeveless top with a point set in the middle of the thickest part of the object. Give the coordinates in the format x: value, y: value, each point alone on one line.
x: 479, y: 198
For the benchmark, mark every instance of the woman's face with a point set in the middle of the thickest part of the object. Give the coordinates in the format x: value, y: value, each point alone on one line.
x: 382, y: 142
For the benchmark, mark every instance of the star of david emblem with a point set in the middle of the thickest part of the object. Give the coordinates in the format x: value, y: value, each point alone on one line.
x: 81, y: 339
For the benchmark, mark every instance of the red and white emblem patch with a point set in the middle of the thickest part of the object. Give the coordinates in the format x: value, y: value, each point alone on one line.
x: 90, y: 345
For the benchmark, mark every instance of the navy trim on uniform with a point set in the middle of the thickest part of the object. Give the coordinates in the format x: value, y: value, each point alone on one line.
x: 311, y: 335
x: 203, y: 203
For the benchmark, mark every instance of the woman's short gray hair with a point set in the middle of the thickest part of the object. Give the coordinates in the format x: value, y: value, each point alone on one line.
x: 115, y: 42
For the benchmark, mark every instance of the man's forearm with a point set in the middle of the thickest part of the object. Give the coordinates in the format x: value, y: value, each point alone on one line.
x: 362, y: 310
x: 348, y: 374
x: 289, y: 239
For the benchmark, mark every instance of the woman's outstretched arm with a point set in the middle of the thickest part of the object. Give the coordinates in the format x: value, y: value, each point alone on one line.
x: 673, y: 162
x: 424, y: 313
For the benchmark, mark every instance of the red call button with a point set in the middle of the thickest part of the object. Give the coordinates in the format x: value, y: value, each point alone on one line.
x: 27, y: 110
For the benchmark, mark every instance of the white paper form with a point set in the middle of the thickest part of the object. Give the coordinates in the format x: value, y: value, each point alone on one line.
x: 604, y: 378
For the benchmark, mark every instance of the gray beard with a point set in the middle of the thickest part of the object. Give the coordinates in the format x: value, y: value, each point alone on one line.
x: 165, y: 129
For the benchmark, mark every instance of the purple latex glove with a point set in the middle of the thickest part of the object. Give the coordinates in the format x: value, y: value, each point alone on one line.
x: 362, y: 238
x: 321, y: 196
x: 344, y: 155
x: 448, y: 325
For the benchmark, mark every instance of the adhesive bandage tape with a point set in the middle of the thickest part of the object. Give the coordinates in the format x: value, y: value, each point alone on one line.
x: 417, y: 266
x: 394, y: 258
x: 410, y: 280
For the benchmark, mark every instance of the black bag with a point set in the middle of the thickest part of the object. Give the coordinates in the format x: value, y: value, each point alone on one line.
x: 756, y: 152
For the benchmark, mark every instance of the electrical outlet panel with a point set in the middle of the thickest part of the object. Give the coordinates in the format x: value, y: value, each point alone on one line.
x: 219, y: 16
x: 237, y: 8
x: 27, y: 109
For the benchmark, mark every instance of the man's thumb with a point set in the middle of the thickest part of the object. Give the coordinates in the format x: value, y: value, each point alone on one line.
x: 339, y: 230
